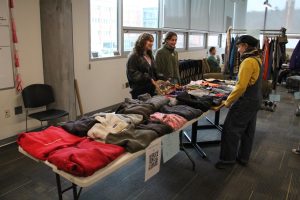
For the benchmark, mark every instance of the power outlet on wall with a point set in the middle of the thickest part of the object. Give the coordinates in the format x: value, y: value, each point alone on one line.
x: 125, y: 85
x: 7, y: 113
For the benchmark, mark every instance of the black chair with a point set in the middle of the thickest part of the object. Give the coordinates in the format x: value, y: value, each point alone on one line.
x: 38, y: 95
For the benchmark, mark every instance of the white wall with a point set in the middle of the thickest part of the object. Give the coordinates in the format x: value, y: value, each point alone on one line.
x: 27, y: 19
x: 101, y: 86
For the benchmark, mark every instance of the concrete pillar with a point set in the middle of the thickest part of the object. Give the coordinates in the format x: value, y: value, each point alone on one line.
x: 58, y: 54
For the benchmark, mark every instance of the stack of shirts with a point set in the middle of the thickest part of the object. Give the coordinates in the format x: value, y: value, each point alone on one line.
x: 79, y: 156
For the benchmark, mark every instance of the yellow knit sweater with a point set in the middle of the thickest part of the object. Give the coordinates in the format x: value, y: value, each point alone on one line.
x: 247, y: 76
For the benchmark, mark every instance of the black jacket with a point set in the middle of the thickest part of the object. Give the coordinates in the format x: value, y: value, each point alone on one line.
x: 139, y: 75
x: 203, y: 103
x: 81, y: 126
x: 185, y: 111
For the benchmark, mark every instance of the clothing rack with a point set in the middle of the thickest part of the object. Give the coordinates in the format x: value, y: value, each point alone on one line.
x: 278, y: 33
x: 265, y: 32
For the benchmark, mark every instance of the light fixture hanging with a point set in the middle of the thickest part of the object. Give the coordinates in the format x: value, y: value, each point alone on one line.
x: 267, y: 4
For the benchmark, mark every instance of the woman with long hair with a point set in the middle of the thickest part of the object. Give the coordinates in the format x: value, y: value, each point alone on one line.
x: 141, y: 67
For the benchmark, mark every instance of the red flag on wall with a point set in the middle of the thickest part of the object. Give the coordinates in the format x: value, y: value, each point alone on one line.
x: 11, y: 3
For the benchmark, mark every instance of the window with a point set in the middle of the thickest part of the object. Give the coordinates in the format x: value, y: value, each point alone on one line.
x: 223, y: 42
x: 196, y: 40
x: 104, y: 28
x: 284, y: 13
x: 213, y: 41
x: 180, y: 40
x: 130, y: 39
x: 176, y: 14
x: 292, y: 43
x: 140, y: 13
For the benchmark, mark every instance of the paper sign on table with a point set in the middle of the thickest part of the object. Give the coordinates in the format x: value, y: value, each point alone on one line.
x: 297, y: 95
x: 274, y: 97
x: 153, y: 157
x: 170, y: 146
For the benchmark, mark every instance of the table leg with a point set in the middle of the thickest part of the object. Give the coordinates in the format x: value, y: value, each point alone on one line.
x: 58, y: 184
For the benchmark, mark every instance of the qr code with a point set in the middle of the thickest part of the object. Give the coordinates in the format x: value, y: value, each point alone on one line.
x: 153, y: 160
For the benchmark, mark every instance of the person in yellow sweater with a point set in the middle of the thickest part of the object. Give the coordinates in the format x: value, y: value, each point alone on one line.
x: 243, y: 103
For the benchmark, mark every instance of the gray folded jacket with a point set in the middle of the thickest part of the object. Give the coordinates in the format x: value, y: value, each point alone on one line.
x: 132, y: 140
x: 158, y: 101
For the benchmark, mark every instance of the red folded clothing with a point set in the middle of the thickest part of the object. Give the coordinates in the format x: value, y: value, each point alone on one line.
x: 85, y: 158
x: 40, y: 144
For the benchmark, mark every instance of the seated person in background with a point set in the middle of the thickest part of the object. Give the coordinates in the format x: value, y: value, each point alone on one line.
x: 141, y: 67
x: 167, y: 59
x: 214, y: 63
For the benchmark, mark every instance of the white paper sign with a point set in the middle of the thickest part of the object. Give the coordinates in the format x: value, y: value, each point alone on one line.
x: 297, y: 95
x: 274, y: 97
x: 170, y: 146
x: 153, y: 157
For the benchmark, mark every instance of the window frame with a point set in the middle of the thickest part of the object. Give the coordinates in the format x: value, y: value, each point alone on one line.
x: 143, y: 28
x: 192, y: 32
x: 293, y: 36
x: 178, y: 31
x: 119, y: 24
x: 122, y: 30
x: 219, y: 35
x: 139, y: 30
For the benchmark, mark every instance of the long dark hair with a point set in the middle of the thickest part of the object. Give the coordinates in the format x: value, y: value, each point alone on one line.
x: 168, y: 36
x: 139, y: 46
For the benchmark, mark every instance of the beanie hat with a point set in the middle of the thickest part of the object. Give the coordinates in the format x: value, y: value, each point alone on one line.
x: 251, y: 41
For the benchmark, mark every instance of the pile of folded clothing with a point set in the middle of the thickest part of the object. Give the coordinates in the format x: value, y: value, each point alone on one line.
x: 167, y: 88
x: 79, y: 156
x: 83, y: 146
x: 209, y: 90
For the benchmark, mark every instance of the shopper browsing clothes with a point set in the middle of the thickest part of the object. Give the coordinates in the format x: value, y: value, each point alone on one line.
x: 243, y: 102
x: 141, y: 67
x: 166, y: 58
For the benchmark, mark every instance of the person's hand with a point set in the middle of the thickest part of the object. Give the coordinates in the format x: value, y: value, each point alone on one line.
x: 153, y: 82
x: 227, y: 105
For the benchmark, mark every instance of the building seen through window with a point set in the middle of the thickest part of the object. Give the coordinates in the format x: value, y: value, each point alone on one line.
x: 104, y: 30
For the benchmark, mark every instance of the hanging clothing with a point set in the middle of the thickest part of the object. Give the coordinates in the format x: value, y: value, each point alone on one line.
x: 266, y: 58
x: 227, y: 49
x: 272, y: 46
x: 232, y: 56
x: 295, y: 58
